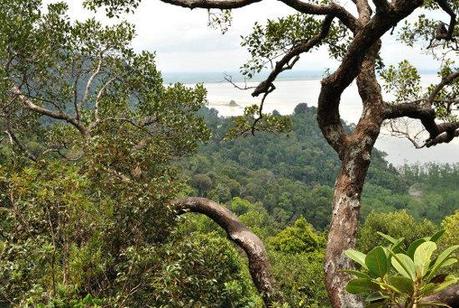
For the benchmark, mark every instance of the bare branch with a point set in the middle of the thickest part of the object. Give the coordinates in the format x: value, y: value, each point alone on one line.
x: 90, y: 81
x: 259, y: 265
x: 98, y: 97
x: 405, y: 134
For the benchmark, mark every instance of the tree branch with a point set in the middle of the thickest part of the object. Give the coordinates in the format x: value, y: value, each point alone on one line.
x: 59, y: 115
x: 303, y: 7
x: 211, y: 4
x: 284, y: 63
x: 90, y: 81
x: 332, y: 9
x: 444, y: 82
x: 259, y: 266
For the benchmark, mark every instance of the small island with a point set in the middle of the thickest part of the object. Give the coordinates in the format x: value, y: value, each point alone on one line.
x: 232, y: 103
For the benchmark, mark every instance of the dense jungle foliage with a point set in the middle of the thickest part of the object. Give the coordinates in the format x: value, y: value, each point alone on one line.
x: 293, y: 174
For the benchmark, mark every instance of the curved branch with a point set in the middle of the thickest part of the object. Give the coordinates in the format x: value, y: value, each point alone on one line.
x: 211, y: 4
x: 423, y: 111
x: 259, y: 266
x: 332, y: 9
x: 444, y: 82
x: 414, y: 110
x: 307, y: 8
x: 333, y: 86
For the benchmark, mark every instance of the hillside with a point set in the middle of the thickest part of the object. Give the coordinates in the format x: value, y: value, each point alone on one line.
x: 293, y: 174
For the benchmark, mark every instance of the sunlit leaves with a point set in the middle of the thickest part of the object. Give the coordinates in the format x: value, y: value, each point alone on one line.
x: 390, y: 278
x: 403, y: 81
x: 270, y: 41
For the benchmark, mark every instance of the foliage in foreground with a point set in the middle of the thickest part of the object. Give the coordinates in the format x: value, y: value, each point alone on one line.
x: 392, y: 276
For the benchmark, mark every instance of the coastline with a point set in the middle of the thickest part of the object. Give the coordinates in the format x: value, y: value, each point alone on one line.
x: 289, y: 93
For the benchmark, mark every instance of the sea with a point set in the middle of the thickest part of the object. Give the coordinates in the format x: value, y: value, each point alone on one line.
x: 296, y: 87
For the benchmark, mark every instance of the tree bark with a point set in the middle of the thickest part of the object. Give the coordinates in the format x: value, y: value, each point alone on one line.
x: 355, y: 154
x: 259, y: 265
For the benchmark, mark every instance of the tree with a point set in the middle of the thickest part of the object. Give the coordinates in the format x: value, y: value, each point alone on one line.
x: 356, y: 42
x: 86, y: 176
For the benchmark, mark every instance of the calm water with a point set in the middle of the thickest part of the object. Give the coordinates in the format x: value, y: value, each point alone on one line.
x: 289, y: 93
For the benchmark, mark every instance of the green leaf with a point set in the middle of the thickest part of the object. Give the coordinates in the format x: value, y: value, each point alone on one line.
x: 449, y: 262
x: 356, y: 256
x: 440, y: 261
x: 436, y: 236
x: 376, y: 261
x: 376, y: 296
x: 358, y: 274
x: 387, y: 237
x: 401, y: 284
x: 413, y: 246
x: 404, y: 265
x: 361, y: 285
x: 422, y: 257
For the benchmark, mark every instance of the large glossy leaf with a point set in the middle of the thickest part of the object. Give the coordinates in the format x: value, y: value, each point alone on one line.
x: 404, y: 265
x: 356, y: 256
x: 376, y: 261
x: 413, y: 246
x: 376, y: 296
x: 440, y: 261
x: 401, y: 284
x: 361, y: 285
x: 422, y: 257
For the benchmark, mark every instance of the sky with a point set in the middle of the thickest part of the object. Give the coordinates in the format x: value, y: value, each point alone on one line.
x: 183, y: 41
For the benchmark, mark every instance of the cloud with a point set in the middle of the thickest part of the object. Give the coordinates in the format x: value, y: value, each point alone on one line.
x: 183, y: 41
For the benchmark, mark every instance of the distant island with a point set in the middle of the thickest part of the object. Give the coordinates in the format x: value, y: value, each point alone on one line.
x: 233, y: 103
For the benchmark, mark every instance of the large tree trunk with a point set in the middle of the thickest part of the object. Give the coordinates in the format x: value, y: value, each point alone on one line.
x: 343, y: 232
x: 355, y: 154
